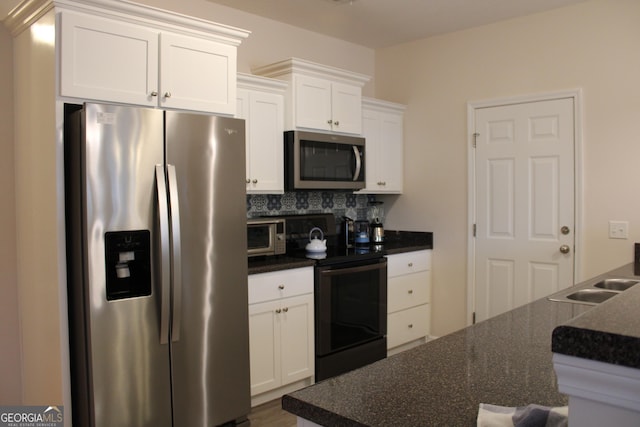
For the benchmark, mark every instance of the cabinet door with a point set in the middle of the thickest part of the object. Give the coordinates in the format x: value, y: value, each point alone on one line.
x: 346, y: 104
x: 265, y: 124
x: 371, y: 131
x: 390, y: 157
x: 264, y: 346
x: 297, y: 338
x: 312, y: 103
x: 197, y: 74
x: 384, y: 155
x: 106, y: 60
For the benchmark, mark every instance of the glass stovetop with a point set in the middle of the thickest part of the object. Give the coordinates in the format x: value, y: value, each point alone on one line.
x: 339, y: 254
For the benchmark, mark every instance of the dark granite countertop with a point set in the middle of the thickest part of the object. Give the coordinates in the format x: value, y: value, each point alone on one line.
x: 610, y: 332
x: 505, y: 360
x: 395, y: 242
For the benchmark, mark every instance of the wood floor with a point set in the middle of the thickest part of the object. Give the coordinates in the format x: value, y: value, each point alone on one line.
x: 271, y: 414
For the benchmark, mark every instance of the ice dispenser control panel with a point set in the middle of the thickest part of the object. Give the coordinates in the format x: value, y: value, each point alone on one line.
x: 128, y: 263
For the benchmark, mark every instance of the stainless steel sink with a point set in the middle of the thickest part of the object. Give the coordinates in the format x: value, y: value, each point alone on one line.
x: 595, y: 296
x: 594, y: 291
x: 616, y: 284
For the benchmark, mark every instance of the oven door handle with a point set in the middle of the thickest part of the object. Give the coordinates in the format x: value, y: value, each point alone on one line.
x: 332, y: 270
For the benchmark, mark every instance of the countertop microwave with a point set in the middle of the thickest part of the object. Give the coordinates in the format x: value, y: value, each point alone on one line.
x: 266, y: 236
x: 323, y: 161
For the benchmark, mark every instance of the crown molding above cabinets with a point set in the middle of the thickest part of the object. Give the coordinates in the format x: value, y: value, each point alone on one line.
x: 29, y: 11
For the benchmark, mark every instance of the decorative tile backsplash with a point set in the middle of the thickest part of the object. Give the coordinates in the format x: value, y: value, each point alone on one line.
x: 340, y: 203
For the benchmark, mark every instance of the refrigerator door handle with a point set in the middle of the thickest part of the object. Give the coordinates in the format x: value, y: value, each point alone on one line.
x: 165, y: 265
x: 176, y: 254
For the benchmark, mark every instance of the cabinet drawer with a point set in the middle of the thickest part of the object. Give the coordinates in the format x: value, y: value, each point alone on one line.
x: 407, y: 325
x: 408, y: 291
x: 409, y: 262
x: 280, y: 284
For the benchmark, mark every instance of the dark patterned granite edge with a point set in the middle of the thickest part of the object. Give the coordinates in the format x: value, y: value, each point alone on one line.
x: 277, y: 263
x: 505, y: 360
x: 395, y: 242
x: 609, y: 333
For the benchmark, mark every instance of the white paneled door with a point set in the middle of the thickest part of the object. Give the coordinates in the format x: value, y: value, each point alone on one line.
x: 524, y: 165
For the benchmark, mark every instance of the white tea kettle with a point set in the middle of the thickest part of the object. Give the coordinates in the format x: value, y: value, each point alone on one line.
x: 315, y: 244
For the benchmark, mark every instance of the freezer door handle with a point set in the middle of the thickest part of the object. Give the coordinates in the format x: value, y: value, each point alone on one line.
x: 165, y: 259
x: 176, y: 254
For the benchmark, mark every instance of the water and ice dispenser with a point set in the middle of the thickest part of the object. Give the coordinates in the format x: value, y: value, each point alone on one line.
x: 128, y: 264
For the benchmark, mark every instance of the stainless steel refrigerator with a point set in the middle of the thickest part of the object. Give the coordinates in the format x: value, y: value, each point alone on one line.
x: 156, y: 249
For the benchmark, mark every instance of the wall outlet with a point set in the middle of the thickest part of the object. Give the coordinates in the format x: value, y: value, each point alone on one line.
x: 618, y: 229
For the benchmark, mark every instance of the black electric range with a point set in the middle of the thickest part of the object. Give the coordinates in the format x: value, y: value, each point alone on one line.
x: 298, y: 228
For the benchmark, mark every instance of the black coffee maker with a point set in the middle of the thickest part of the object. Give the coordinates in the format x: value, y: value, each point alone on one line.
x: 348, y: 231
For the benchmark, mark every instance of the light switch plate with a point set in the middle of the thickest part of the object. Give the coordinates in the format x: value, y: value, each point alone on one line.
x: 618, y: 229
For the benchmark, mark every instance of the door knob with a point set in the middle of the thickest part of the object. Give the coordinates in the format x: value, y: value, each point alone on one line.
x: 565, y: 249
x: 565, y: 230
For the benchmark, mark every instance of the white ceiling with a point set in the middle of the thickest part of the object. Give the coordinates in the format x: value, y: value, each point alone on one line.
x: 382, y: 23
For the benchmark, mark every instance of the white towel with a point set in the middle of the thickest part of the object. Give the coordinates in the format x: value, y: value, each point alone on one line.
x: 522, y: 416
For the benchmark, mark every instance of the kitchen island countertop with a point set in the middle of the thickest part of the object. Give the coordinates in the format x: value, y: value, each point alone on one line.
x: 505, y: 360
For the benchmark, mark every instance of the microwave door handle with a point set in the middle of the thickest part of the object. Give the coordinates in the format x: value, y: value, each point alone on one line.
x: 356, y: 152
x: 164, y: 258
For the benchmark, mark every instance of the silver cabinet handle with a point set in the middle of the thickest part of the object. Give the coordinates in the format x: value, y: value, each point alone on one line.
x: 154, y: 93
x: 565, y: 249
x: 255, y: 181
x: 410, y: 291
x: 167, y: 94
x: 410, y: 325
x: 281, y: 287
x: 278, y: 311
x: 337, y: 123
x: 410, y: 264
x: 329, y: 121
x: 176, y: 249
x: 285, y: 309
x: 165, y: 260
x: 248, y: 181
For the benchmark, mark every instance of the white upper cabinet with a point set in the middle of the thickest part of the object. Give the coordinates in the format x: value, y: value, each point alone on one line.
x: 197, y: 74
x: 105, y: 59
x: 382, y: 127
x: 319, y: 97
x: 260, y: 101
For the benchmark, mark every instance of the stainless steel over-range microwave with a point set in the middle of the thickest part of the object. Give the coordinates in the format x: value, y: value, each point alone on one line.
x: 266, y: 236
x: 323, y: 161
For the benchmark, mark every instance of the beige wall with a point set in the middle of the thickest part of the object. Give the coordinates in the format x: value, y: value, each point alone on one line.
x: 10, y: 366
x: 593, y: 46
x: 271, y: 41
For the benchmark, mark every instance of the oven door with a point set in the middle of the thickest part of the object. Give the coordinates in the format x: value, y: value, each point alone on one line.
x: 350, y: 305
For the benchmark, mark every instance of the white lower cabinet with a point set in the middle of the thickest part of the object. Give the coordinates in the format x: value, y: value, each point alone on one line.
x: 281, y: 338
x: 409, y: 299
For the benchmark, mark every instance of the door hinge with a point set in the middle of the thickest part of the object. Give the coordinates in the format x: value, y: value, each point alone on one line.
x: 475, y: 139
x: 473, y: 318
x: 474, y: 230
